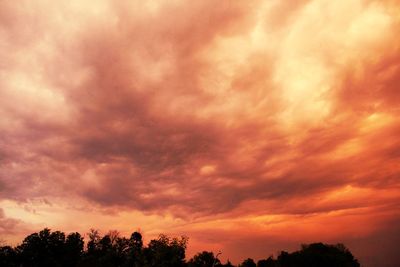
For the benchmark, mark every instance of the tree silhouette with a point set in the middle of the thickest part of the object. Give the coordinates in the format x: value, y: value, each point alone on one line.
x: 266, y: 263
x: 73, y: 249
x: 134, y: 250
x: 248, y: 263
x: 316, y: 255
x: 93, y: 244
x: 204, y: 259
x: 8, y: 257
x: 42, y: 249
x: 166, y: 252
x: 55, y: 249
x: 228, y: 264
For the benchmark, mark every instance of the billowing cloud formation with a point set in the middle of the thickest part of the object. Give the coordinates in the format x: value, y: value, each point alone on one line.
x: 232, y: 118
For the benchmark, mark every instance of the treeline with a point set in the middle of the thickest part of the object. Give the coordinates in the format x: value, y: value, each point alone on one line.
x: 55, y: 249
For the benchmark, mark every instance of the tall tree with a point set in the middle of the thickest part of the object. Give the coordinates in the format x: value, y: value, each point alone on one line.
x: 73, y: 249
x: 135, y: 250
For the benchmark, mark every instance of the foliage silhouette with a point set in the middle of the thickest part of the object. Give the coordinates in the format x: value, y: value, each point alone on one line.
x: 166, y: 252
x: 228, y: 264
x: 248, y: 263
x: 55, y: 249
x: 204, y: 259
x: 266, y: 263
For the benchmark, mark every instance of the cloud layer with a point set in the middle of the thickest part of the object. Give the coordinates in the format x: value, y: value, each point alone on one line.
x: 201, y: 118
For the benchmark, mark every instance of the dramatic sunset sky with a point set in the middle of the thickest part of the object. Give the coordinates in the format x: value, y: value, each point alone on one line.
x: 249, y: 126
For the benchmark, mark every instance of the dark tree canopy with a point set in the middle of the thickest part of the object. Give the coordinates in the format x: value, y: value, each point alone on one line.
x: 266, y: 263
x: 166, y: 252
x: 55, y: 249
x: 317, y: 255
x: 204, y: 259
x: 248, y: 263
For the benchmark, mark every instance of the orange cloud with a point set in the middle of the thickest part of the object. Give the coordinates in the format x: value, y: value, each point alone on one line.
x: 222, y: 122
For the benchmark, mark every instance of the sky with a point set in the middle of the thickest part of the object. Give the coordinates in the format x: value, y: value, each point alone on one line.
x: 249, y: 126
